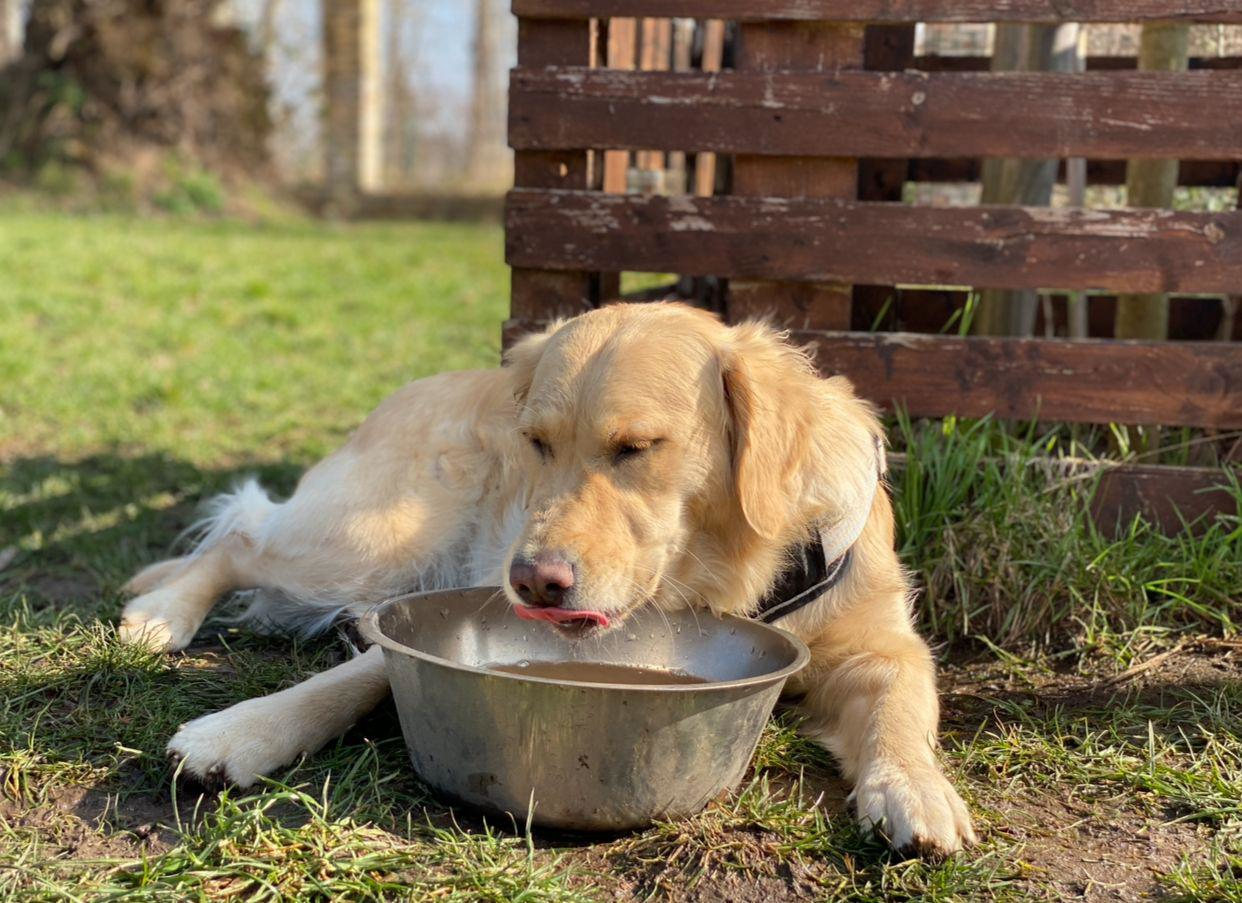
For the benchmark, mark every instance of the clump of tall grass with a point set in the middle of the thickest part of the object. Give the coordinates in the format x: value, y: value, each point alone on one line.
x: 995, y: 523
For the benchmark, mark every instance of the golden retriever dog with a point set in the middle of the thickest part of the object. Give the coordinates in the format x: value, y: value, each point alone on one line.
x: 642, y: 454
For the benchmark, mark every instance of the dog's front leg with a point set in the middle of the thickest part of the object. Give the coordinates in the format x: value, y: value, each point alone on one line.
x: 255, y: 737
x: 871, y: 701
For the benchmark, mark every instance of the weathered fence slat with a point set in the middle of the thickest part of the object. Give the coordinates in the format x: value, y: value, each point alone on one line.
x: 939, y: 63
x: 1168, y: 497
x: 1172, y: 383
x: 1223, y: 11
x: 825, y: 240
x: 1177, y: 115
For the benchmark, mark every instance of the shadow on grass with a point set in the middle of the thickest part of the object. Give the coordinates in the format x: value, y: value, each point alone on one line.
x: 82, y: 526
x: 1163, y: 742
x: 1186, y: 688
x: 76, y: 707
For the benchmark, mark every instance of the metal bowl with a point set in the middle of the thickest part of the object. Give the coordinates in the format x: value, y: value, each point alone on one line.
x: 578, y: 755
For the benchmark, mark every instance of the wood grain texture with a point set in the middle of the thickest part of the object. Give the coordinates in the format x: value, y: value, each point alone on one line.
x: 896, y: 10
x: 1192, y: 115
x: 1170, y: 383
x: 938, y: 63
x: 621, y: 54
x: 1167, y: 497
x: 825, y: 240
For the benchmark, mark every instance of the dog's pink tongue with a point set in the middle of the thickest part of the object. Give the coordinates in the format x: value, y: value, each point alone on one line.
x: 560, y: 615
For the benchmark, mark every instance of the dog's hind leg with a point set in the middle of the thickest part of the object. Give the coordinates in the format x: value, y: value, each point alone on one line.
x: 254, y: 738
x: 178, y: 594
x: 167, y: 617
x: 153, y: 576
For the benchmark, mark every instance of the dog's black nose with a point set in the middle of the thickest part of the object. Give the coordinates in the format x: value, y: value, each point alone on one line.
x: 544, y: 580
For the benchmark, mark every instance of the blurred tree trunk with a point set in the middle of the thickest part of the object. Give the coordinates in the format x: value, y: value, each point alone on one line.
x: 352, y: 145
x: 398, y: 97
x: 483, y: 106
x: 8, y: 33
x: 268, y: 31
x: 1150, y: 183
x: 1020, y: 181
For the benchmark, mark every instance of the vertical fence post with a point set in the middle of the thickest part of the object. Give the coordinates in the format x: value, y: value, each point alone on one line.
x: 622, y: 45
x: 713, y: 58
x: 795, y: 47
x: 654, y: 56
x: 543, y: 294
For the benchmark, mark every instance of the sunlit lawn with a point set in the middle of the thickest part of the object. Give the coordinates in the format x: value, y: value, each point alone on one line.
x: 219, y: 340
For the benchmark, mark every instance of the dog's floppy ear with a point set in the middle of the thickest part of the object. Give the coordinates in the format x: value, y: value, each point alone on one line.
x: 761, y: 441
x: 802, y: 447
x: 523, y: 357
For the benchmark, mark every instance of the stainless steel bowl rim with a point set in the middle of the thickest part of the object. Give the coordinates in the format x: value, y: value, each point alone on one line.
x: 368, y: 626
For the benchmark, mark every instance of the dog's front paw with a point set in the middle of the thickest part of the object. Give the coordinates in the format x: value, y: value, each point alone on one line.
x: 238, y: 745
x: 917, y: 809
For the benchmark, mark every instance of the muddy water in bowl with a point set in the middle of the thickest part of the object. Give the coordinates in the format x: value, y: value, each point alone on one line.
x: 596, y: 673
x: 601, y: 733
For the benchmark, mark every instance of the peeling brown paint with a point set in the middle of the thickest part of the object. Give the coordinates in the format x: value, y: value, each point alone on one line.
x: 826, y: 240
x: 1107, y: 114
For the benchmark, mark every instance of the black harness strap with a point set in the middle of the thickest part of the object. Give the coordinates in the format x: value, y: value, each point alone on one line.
x: 807, y: 577
x: 809, y: 574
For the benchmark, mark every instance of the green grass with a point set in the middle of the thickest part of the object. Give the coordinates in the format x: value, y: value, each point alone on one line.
x: 145, y: 364
x: 996, y: 522
x: 1219, y: 879
x: 1176, y: 757
x: 285, y: 843
x: 211, y: 341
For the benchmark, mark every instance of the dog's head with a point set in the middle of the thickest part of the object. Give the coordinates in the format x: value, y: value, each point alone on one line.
x: 672, y: 459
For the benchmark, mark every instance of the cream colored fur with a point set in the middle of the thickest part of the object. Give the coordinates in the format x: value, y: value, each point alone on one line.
x: 672, y: 458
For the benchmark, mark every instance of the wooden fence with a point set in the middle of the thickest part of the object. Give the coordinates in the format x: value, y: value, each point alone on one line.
x: 823, y: 113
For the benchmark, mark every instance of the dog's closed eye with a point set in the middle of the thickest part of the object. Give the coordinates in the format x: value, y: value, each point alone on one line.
x: 541, y: 448
x: 630, y: 449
